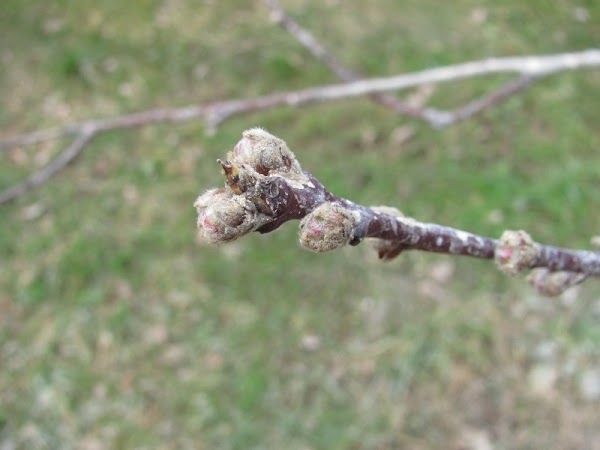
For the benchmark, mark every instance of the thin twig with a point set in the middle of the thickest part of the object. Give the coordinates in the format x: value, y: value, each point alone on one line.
x: 494, y: 98
x: 305, y: 38
x: 40, y: 136
x: 142, y: 118
x: 437, y: 118
x: 216, y: 113
x: 318, y: 51
x: 44, y: 174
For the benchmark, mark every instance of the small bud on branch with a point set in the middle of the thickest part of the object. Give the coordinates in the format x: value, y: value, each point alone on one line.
x: 266, y: 187
x: 515, y: 252
x: 327, y: 228
x: 552, y: 284
x: 264, y: 152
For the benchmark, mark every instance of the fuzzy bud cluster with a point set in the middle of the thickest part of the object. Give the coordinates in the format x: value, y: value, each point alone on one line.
x: 327, y: 228
x: 224, y: 216
x: 227, y: 214
x: 515, y: 252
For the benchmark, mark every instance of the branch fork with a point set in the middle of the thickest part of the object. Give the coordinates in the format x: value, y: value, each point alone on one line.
x: 530, y: 68
x: 265, y: 186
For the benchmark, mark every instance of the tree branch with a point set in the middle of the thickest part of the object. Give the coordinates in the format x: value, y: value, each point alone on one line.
x: 216, y: 113
x: 437, y: 118
x: 305, y: 38
x: 488, y: 101
x: 59, y: 163
x: 266, y: 187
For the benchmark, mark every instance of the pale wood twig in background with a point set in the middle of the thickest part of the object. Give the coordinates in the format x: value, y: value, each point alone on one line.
x: 437, y: 118
x: 312, y: 45
x: 530, y: 67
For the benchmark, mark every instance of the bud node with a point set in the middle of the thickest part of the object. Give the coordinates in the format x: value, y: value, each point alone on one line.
x: 327, y: 228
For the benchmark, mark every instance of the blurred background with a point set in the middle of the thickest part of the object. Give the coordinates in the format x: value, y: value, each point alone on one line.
x: 118, y: 329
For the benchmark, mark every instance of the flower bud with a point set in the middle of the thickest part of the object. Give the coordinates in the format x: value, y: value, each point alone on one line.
x: 515, y: 252
x: 264, y: 152
x: 224, y: 217
x: 327, y: 228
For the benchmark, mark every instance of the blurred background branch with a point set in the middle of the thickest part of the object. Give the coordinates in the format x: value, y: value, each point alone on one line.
x: 530, y: 68
x: 435, y: 117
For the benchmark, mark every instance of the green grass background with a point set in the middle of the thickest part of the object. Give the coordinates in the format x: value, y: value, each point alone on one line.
x: 118, y: 330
